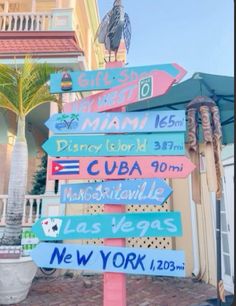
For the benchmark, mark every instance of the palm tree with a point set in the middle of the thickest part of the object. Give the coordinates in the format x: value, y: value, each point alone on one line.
x: 21, y: 90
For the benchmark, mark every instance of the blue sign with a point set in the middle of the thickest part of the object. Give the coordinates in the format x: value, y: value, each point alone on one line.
x: 115, y: 145
x: 127, y: 122
x: 110, y: 259
x: 118, y: 225
x: 136, y: 192
x: 108, y: 78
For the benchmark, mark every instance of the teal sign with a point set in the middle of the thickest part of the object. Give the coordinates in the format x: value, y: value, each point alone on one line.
x: 110, y: 259
x: 115, y: 145
x: 108, y: 78
x: 118, y: 225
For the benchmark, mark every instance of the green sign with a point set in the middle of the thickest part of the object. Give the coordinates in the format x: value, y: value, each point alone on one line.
x: 145, y: 88
x: 28, y: 241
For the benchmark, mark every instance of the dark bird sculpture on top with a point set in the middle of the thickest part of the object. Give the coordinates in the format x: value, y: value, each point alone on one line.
x: 115, y: 23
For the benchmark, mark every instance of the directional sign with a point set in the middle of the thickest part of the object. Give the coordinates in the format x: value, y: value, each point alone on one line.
x: 113, y: 145
x: 136, y: 192
x: 126, y: 122
x: 155, y: 84
x: 119, y: 167
x: 124, y: 225
x: 110, y: 259
x: 108, y: 78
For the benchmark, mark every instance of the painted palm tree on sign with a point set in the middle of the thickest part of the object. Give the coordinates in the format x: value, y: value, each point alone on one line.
x: 21, y: 90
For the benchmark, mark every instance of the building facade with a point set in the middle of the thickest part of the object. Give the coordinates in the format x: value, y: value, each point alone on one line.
x: 60, y: 33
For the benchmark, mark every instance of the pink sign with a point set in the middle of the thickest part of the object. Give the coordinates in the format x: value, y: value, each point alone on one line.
x: 152, y: 85
x: 119, y: 167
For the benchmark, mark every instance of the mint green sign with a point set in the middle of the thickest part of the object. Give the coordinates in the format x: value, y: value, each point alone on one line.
x: 115, y: 145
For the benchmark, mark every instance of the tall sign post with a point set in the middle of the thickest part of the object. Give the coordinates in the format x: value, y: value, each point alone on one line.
x: 114, y: 282
x: 153, y: 150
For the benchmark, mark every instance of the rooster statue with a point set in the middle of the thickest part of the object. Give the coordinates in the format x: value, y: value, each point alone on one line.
x: 115, y: 23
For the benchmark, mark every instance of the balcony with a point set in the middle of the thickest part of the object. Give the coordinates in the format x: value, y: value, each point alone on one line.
x: 32, y: 209
x: 35, y: 206
x: 25, y: 21
x: 55, y: 20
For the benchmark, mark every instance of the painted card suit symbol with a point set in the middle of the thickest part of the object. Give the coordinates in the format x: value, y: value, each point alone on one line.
x: 55, y: 228
x: 45, y: 222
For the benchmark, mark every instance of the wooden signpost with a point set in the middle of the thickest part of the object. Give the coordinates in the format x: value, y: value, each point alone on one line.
x: 118, y: 225
x: 115, y: 145
x: 109, y: 258
x: 108, y: 78
x: 128, y: 93
x: 118, y: 159
x: 119, y: 167
x: 136, y: 192
x: 132, y: 122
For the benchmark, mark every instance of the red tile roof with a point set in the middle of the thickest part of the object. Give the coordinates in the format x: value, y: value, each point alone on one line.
x: 39, y: 43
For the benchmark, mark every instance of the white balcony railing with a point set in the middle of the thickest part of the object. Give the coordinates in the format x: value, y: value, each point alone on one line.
x: 32, y: 209
x: 25, y: 21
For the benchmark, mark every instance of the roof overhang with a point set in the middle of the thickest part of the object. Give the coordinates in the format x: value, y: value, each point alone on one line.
x: 59, y: 54
x: 74, y: 63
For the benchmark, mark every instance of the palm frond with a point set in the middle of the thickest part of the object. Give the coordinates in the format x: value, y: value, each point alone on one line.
x: 41, y: 96
x: 26, y: 87
x: 5, y: 103
x: 38, y: 104
x: 27, y: 67
x: 38, y: 79
x: 8, y: 85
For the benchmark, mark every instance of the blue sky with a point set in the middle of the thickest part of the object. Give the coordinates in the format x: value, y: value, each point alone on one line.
x: 196, y: 34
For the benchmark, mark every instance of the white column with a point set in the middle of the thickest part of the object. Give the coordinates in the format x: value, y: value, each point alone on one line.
x: 33, y: 6
x: 6, y: 6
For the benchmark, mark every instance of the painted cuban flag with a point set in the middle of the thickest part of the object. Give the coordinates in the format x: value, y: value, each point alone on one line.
x: 65, y: 167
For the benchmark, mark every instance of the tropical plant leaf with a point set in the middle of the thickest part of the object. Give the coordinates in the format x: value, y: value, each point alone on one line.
x: 23, y: 89
x: 75, y: 116
x: 5, y: 103
x: 42, y: 95
x: 8, y: 88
